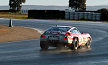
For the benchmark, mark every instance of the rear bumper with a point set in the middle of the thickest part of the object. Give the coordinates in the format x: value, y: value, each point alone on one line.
x: 53, y: 43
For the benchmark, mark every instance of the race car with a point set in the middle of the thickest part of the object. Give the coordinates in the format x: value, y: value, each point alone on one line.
x: 64, y: 37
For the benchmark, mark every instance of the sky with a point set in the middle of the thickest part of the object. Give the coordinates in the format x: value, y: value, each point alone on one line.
x: 57, y: 2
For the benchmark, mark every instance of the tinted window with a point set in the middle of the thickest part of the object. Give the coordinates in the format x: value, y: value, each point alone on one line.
x: 62, y: 29
x: 75, y: 31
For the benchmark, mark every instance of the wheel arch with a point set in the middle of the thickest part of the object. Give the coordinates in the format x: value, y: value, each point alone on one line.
x: 90, y: 38
x: 76, y: 38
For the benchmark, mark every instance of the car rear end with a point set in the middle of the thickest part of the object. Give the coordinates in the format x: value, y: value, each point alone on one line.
x: 55, y: 36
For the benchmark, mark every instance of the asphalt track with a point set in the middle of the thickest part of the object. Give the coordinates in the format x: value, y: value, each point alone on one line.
x: 28, y: 52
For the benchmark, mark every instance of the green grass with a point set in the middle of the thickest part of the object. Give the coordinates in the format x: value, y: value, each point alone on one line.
x: 13, y: 15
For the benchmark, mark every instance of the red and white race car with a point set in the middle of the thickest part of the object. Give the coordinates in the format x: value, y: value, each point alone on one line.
x: 64, y: 37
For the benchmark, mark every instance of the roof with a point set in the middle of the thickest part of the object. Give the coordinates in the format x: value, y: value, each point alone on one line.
x: 65, y: 26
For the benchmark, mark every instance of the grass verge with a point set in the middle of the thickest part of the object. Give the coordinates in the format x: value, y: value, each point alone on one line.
x: 13, y: 15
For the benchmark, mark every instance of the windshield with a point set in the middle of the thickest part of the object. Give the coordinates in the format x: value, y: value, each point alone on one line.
x: 62, y: 29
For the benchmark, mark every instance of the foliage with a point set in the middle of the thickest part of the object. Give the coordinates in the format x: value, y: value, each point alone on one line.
x: 103, y: 10
x: 15, y: 5
x: 104, y: 13
x: 78, y: 5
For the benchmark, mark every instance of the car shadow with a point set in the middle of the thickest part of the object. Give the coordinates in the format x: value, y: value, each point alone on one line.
x: 66, y: 50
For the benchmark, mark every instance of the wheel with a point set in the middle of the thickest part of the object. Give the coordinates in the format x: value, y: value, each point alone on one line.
x: 88, y: 43
x: 44, y: 46
x: 74, y: 45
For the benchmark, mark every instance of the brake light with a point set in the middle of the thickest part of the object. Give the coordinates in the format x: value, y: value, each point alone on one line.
x: 65, y: 37
x: 69, y: 43
x: 43, y: 36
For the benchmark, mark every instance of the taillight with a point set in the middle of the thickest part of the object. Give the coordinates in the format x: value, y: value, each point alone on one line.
x: 43, y: 36
x: 65, y: 37
x: 69, y: 43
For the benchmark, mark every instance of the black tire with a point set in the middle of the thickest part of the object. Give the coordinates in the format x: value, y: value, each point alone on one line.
x: 74, y: 45
x: 88, y: 43
x: 44, y: 46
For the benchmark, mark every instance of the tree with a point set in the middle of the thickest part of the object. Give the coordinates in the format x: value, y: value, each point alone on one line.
x: 78, y: 5
x: 16, y: 5
x: 102, y: 10
x: 104, y: 13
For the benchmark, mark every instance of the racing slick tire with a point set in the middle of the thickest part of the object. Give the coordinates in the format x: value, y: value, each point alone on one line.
x: 88, y: 43
x: 43, y: 45
x: 74, y: 45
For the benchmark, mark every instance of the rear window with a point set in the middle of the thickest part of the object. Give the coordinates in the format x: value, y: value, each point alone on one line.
x: 62, y: 29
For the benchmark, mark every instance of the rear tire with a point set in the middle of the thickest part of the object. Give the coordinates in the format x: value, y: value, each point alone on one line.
x: 44, y: 46
x: 74, y: 45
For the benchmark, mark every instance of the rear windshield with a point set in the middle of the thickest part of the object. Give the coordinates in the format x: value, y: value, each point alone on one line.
x: 62, y: 29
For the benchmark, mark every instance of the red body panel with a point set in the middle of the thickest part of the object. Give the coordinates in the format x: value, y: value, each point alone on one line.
x: 83, y: 38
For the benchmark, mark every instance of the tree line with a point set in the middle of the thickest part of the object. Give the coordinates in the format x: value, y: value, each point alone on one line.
x: 16, y: 5
x: 77, y: 5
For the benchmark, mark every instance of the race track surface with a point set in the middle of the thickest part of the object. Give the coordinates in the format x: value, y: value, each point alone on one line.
x: 28, y: 52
